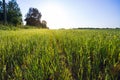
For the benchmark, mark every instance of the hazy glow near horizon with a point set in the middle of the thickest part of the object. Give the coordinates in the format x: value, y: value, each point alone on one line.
x: 75, y: 13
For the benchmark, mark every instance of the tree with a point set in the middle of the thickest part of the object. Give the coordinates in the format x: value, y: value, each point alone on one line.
x: 4, y: 11
x: 14, y: 15
x: 1, y: 11
x: 33, y: 17
x: 44, y: 24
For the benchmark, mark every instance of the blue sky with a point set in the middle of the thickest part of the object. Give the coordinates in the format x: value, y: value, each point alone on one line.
x: 75, y: 13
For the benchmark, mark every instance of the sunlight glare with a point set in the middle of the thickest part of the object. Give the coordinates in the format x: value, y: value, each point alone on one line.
x: 54, y: 14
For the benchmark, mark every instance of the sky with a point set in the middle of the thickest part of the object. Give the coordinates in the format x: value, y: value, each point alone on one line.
x: 75, y: 13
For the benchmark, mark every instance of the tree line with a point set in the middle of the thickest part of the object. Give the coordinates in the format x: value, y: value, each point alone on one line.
x: 10, y: 13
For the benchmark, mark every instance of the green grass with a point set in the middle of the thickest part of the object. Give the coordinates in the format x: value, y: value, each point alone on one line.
x: 41, y: 54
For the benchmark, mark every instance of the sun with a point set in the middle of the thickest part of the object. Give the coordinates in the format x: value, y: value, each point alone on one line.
x: 54, y: 14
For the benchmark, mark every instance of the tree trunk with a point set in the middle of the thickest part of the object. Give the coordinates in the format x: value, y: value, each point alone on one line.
x: 4, y: 11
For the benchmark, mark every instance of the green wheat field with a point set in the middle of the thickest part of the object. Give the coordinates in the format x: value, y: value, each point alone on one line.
x: 41, y: 54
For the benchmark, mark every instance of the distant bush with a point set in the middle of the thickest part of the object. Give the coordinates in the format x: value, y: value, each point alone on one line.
x: 10, y: 27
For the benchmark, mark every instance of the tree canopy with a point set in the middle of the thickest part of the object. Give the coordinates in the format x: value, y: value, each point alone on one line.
x: 10, y: 13
x: 33, y: 17
x: 14, y: 15
x: 44, y: 24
